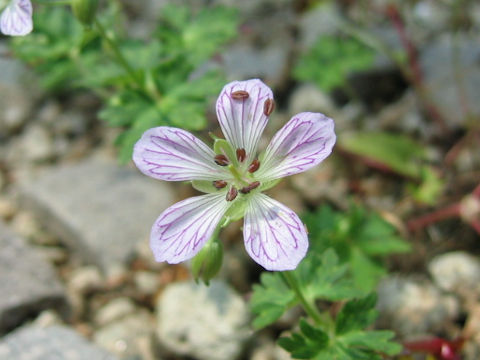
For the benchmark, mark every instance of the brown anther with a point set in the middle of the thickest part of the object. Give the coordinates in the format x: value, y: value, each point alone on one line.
x: 268, y: 107
x: 241, y: 155
x: 247, y: 189
x: 219, y: 184
x: 231, y: 194
x: 240, y: 95
x: 221, y: 160
x: 254, y: 166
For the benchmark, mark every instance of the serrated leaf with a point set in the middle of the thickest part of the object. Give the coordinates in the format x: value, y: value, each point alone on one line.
x: 270, y: 299
x: 375, y: 340
x: 356, y: 314
x: 307, y: 343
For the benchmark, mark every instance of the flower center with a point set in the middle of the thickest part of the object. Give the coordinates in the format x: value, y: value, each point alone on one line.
x: 242, y: 180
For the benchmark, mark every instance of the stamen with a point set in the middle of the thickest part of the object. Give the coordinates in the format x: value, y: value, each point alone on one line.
x: 231, y: 194
x: 254, y: 166
x: 247, y: 189
x: 240, y: 95
x: 221, y: 160
x: 241, y: 155
x: 219, y: 184
x: 268, y: 107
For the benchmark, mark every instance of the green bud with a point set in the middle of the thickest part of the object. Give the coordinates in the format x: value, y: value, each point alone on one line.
x: 207, y: 263
x: 85, y: 10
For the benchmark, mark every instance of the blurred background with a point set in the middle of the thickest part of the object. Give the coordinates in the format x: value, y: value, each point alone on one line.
x: 400, y: 78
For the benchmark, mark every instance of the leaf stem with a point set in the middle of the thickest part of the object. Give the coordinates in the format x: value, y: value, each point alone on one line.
x: 53, y: 2
x: 119, y: 56
x: 311, y: 311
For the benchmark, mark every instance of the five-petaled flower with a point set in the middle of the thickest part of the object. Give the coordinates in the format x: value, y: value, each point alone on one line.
x: 274, y: 235
x: 16, y: 17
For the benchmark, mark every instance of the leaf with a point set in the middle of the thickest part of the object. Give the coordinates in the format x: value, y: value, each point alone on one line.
x: 356, y: 314
x: 331, y: 59
x: 270, y: 299
x: 431, y: 187
x: 396, y: 152
x: 375, y: 340
x: 306, y: 344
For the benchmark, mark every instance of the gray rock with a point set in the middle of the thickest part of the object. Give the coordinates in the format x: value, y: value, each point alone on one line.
x: 125, y: 337
x: 321, y: 21
x: 456, y: 272
x: 203, y: 322
x: 452, y: 76
x: 51, y: 343
x: 85, y: 279
x: 114, y: 310
x: 414, y: 306
x: 36, y: 144
x: 99, y: 209
x: 309, y: 97
x: 28, y: 284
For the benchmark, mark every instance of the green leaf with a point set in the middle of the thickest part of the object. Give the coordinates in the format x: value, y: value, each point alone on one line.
x: 396, y: 152
x: 331, y: 59
x: 270, y: 299
x: 306, y: 344
x: 431, y: 186
x: 356, y: 314
x: 375, y: 340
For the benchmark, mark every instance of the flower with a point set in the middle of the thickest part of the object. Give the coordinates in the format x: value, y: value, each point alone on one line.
x: 16, y: 18
x: 234, y: 177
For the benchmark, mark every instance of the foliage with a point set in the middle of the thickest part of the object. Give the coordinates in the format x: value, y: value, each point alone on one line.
x: 144, y: 83
x: 360, y: 239
x: 331, y: 59
x: 348, y: 341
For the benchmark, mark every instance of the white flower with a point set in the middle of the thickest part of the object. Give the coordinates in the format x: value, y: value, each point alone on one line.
x: 274, y: 235
x: 16, y: 17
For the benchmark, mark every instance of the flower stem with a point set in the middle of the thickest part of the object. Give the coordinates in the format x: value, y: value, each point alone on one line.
x: 53, y: 2
x: 119, y: 56
x: 311, y: 311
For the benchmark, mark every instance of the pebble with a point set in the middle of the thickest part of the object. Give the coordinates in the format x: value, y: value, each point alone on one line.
x: 147, y: 282
x: 36, y: 144
x: 114, y: 310
x: 85, y: 279
x: 202, y: 322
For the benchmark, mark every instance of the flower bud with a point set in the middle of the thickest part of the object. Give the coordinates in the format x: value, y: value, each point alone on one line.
x: 207, y: 263
x: 85, y: 10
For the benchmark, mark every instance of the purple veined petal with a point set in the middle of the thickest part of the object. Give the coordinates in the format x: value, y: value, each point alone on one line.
x: 16, y: 19
x: 243, y: 120
x: 303, y: 142
x: 274, y: 235
x: 181, y: 230
x: 172, y: 154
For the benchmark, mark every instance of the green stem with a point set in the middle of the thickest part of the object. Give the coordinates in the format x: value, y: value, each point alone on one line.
x: 311, y: 311
x: 53, y: 2
x: 118, y: 54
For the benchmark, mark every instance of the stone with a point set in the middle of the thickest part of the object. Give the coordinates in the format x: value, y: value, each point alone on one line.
x: 100, y: 210
x: 114, y: 310
x: 147, y: 282
x: 205, y: 322
x: 123, y: 336
x: 322, y: 20
x: 456, y: 272
x: 51, y: 343
x: 452, y: 76
x: 308, y: 97
x: 28, y: 283
x: 36, y: 144
x: 85, y: 279
x: 414, y: 306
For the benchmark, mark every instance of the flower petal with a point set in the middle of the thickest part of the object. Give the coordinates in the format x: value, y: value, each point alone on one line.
x: 172, y: 154
x: 243, y: 120
x: 303, y: 142
x: 274, y: 235
x: 181, y: 230
x: 16, y: 19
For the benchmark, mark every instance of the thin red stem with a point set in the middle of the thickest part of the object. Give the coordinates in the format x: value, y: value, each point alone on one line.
x: 448, y: 212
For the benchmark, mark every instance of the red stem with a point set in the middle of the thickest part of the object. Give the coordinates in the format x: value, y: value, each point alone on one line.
x: 448, y: 212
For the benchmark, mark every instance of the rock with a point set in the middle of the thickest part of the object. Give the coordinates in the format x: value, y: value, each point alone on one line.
x: 147, y: 282
x: 114, y: 310
x: 202, y: 322
x: 122, y: 337
x: 308, y: 97
x: 99, y: 209
x: 51, y: 343
x: 28, y: 283
x: 320, y: 21
x: 414, y: 306
x: 452, y: 76
x: 456, y: 272
x: 36, y: 144
x: 85, y: 279
x: 242, y: 61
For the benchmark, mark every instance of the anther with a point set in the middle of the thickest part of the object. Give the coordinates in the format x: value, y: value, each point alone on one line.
x: 240, y: 95
x: 254, y: 166
x: 231, y: 194
x: 241, y: 155
x: 219, y: 184
x: 247, y: 189
x: 268, y: 107
x: 221, y: 160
